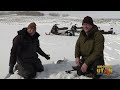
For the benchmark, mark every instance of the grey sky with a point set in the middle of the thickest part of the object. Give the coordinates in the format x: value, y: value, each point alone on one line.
x: 94, y: 14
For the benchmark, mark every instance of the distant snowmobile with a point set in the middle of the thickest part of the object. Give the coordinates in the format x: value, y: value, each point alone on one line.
x: 64, y: 30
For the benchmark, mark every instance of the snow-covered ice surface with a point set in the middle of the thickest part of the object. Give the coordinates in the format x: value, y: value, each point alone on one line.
x: 59, y: 47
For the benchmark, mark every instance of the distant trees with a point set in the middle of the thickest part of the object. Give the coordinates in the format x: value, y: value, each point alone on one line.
x: 32, y: 13
x: 54, y: 14
x: 29, y: 13
x: 65, y: 15
x: 4, y: 12
x: 57, y: 14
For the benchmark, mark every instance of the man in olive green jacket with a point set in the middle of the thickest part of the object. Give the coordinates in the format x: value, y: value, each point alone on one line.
x: 89, y: 48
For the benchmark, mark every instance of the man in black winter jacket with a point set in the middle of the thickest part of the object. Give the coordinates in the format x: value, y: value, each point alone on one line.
x: 54, y: 29
x: 25, y: 52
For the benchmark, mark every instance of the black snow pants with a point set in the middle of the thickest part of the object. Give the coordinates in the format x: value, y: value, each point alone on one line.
x: 28, y: 69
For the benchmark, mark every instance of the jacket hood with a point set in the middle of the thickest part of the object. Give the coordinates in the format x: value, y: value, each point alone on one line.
x: 24, y: 33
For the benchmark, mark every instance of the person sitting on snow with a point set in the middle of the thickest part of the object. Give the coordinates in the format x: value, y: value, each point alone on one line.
x: 25, y: 51
x: 89, y: 49
x: 54, y: 29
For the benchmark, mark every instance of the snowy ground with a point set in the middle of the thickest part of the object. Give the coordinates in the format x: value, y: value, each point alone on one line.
x: 59, y: 47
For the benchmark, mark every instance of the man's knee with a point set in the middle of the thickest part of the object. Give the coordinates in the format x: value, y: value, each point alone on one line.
x: 96, y: 63
x: 93, y: 67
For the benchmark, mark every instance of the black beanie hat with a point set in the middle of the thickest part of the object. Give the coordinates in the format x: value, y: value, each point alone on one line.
x: 88, y: 20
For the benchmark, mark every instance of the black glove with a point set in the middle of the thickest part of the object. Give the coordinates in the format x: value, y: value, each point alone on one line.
x: 11, y: 70
x: 47, y: 57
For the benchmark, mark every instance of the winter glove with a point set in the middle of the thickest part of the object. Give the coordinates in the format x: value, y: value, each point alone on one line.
x: 11, y: 70
x: 47, y: 57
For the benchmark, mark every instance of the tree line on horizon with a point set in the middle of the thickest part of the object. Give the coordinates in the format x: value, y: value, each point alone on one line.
x: 31, y: 13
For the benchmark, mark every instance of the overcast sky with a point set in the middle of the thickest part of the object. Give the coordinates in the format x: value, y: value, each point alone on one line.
x: 94, y: 14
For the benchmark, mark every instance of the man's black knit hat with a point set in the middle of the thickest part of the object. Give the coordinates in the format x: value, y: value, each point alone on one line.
x: 88, y: 20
